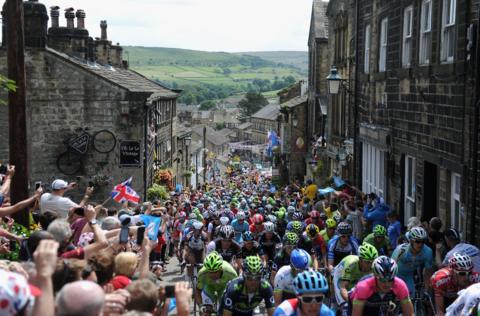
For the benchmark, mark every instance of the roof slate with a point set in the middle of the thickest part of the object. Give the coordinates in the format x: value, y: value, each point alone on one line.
x: 212, y: 135
x: 268, y: 112
x: 295, y: 101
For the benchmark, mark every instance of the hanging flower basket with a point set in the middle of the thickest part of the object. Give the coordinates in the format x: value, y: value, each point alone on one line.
x: 164, y: 177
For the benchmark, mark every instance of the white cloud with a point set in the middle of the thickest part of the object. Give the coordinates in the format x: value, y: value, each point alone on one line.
x: 212, y: 25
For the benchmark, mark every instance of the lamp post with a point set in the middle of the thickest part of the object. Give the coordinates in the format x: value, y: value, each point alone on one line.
x: 333, y: 81
x: 188, y: 142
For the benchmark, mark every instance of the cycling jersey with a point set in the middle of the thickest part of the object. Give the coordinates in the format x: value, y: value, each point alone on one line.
x: 444, y: 285
x: 230, y: 252
x: 347, y: 270
x: 467, y: 249
x: 239, y: 302
x: 291, y: 308
x: 366, y: 293
x: 382, y: 248
x: 336, y: 251
x: 178, y: 227
x: 409, y: 263
x: 284, y: 282
x: 255, y: 250
x: 268, y: 245
x: 196, y: 243
x: 313, y: 246
x: 466, y: 300
x: 280, y: 260
x: 215, y: 288
x: 325, y: 236
x: 239, y: 229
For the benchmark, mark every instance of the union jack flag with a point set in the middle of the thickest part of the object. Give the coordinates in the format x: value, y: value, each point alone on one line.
x: 123, y: 192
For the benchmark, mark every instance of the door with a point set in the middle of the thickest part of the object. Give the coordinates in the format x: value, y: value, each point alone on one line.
x: 430, y: 191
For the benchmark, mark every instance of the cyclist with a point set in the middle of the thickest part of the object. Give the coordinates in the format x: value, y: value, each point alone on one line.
x: 379, y: 239
x: 290, y: 241
x: 351, y: 269
x: 178, y: 227
x: 384, y: 287
x: 257, y: 227
x: 310, y: 289
x: 453, y: 241
x: 329, y: 231
x: 412, y: 256
x: 250, y: 246
x: 341, y: 245
x: 213, y: 226
x: 467, y: 301
x: 281, y: 224
x: 245, y: 293
x: 300, y: 260
x: 226, y: 246
x: 315, y: 219
x: 313, y: 243
x: 212, y: 280
x: 447, y: 282
x: 240, y: 226
x: 194, y: 244
x: 295, y: 227
x: 269, y: 242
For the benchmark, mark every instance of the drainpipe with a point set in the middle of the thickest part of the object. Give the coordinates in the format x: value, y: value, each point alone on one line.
x: 475, y: 133
x: 145, y: 149
x: 356, y: 152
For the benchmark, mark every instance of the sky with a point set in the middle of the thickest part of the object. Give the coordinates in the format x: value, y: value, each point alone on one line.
x: 209, y: 25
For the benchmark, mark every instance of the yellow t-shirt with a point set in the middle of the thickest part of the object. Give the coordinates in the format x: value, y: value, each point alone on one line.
x: 311, y: 191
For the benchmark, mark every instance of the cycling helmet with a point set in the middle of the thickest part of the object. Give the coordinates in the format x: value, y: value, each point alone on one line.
x: 240, y: 216
x: 224, y: 220
x: 460, y: 262
x: 384, y: 268
x: 269, y: 227
x: 367, y: 252
x: 314, y: 215
x: 227, y: 232
x: 310, y: 281
x: 312, y: 230
x: 300, y: 259
x: 271, y: 218
x: 197, y: 225
x: 291, y: 209
x: 257, y: 219
x: 182, y: 215
x: 337, y: 217
x: 331, y: 223
x: 379, y: 231
x: 269, y: 207
x: 297, y: 216
x: 290, y: 238
x: 323, y: 216
x: 280, y: 214
x: 261, y: 210
x: 417, y: 233
x: 297, y: 227
x: 252, y: 265
x: 247, y: 236
x: 213, y: 262
x: 344, y: 228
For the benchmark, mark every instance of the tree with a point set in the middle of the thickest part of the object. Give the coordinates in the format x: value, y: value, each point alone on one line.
x: 251, y: 103
x: 207, y: 105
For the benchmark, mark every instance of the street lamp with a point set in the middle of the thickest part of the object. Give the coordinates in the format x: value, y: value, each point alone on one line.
x: 294, y: 119
x: 333, y: 81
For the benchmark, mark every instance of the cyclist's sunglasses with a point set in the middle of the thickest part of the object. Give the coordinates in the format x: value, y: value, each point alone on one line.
x: 385, y: 280
x: 312, y: 299
x: 462, y: 273
x: 419, y: 241
x: 344, y: 236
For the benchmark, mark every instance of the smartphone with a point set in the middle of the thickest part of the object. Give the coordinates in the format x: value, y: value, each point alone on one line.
x: 140, y: 234
x: 13, y: 245
x: 38, y: 184
x: 79, y: 211
x: 124, y: 234
x: 91, y: 184
x: 170, y: 291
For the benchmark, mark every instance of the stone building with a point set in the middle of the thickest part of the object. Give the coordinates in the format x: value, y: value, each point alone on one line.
x: 264, y: 121
x: 75, y: 82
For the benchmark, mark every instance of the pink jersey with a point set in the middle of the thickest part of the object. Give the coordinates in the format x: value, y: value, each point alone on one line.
x: 368, y: 287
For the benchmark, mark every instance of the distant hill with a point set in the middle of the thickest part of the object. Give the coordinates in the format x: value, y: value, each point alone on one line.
x: 216, y: 75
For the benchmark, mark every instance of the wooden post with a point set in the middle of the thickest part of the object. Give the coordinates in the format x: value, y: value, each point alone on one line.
x: 17, y: 104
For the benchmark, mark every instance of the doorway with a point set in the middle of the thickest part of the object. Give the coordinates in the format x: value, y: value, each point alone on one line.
x: 430, y: 191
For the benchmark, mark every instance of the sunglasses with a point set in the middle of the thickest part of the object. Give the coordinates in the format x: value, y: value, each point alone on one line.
x: 462, y: 273
x: 419, y: 241
x: 344, y: 236
x: 383, y: 280
x: 312, y: 299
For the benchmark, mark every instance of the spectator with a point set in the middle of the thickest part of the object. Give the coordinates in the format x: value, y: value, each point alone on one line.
x: 55, y: 202
x: 143, y: 296
x: 455, y: 244
x: 80, y: 298
x: 394, y: 229
x: 125, y: 267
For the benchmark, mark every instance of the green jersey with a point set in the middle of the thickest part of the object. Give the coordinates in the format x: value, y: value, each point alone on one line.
x: 351, y: 270
x: 383, y: 247
x: 215, y: 288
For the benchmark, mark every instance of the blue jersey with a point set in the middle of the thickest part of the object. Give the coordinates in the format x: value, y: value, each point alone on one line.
x: 290, y: 308
x: 409, y: 263
x: 239, y: 230
x: 336, y: 251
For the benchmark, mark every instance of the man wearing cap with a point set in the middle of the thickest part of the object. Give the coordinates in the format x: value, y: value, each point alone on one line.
x: 454, y: 243
x: 56, y: 203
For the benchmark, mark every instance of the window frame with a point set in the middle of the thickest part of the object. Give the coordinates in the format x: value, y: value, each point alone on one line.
x: 424, y: 50
x: 456, y: 216
x: 407, y: 36
x: 366, y: 56
x: 373, y: 170
x: 448, y: 25
x: 383, y: 43
x: 409, y: 187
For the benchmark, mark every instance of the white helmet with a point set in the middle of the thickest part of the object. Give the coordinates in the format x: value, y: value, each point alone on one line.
x: 417, y: 233
x: 269, y: 227
x: 240, y: 215
x: 224, y: 220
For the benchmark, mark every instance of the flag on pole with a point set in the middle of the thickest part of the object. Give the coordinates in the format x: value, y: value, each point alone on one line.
x: 123, y: 192
x: 152, y: 225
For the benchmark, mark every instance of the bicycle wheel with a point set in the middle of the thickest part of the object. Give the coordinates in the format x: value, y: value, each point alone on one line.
x: 104, y: 141
x: 69, y: 163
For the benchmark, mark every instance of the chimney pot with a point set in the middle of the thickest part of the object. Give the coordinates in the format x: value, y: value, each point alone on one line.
x: 55, y: 14
x: 103, y: 26
x: 80, y: 19
x: 70, y: 16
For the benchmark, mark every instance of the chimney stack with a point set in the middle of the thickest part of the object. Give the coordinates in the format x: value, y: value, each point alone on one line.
x: 103, y: 26
x: 55, y: 14
x: 70, y: 16
x: 80, y: 19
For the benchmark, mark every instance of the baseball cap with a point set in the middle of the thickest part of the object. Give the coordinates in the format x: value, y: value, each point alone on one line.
x: 15, y: 293
x: 59, y: 184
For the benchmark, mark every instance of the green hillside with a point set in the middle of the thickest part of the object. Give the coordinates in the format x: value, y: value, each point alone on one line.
x: 215, y: 75
x: 297, y: 59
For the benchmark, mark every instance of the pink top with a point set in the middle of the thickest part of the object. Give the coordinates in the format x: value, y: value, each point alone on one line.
x: 366, y: 288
